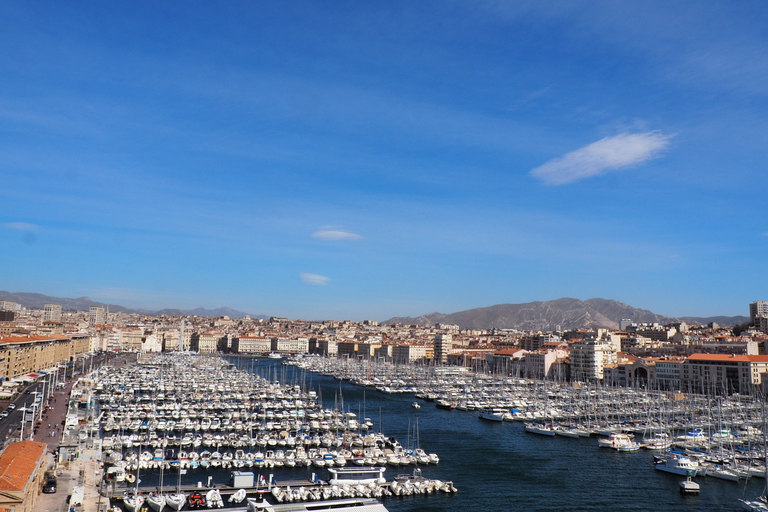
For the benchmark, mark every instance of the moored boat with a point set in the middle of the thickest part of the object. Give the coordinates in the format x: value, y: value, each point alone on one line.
x: 678, y: 464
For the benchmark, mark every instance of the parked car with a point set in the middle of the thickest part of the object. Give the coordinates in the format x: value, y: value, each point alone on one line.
x: 12, y: 406
x: 4, y: 414
x: 50, y: 485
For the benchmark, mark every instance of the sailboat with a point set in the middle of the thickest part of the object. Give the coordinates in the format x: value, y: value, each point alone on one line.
x: 157, y: 500
x: 132, y: 502
x: 176, y: 500
x: 759, y: 504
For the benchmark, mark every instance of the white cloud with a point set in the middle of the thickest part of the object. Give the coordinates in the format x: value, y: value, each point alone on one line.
x: 335, y: 234
x: 22, y: 226
x: 314, y: 279
x: 605, y: 155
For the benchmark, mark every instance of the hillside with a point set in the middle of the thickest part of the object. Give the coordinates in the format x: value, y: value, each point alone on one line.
x: 567, y: 313
x: 38, y: 301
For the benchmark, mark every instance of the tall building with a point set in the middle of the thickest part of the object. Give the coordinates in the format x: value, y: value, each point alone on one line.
x: 97, y: 316
x: 443, y: 346
x: 589, y: 357
x: 758, y: 309
x: 9, y: 305
x: 52, y: 313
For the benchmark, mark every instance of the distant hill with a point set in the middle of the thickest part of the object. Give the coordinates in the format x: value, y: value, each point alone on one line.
x: 38, y: 301
x: 547, y: 315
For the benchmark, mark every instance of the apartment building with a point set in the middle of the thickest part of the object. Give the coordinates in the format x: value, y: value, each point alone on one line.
x: 758, y: 309
x: 22, y: 355
x: 723, y: 373
x: 410, y: 352
x: 97, y: 316
x: 589, y: 357
x: 52, y: 313
x: 443, y: 346
x: 252, y: 345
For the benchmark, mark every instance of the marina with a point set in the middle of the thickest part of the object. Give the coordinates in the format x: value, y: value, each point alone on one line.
x: 180, y: 413
x: 475, y: 456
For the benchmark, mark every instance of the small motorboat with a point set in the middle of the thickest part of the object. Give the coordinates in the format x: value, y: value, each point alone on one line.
x: 238, y: 497
x: 416, y: 405
x: 213, y: 497
x: 196, y: 501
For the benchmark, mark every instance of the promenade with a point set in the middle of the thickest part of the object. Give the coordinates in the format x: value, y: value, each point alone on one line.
x: 81, y: 465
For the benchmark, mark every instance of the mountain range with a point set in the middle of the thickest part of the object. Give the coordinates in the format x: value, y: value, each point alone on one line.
x: 547, y: 315
x: 566, y: 313
x: 38, y: 301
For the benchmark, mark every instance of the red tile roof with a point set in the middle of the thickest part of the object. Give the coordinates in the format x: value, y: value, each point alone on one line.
x: 728, y: 357
x: 17, y: 463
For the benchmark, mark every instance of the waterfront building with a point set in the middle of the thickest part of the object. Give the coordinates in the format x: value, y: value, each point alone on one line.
x: 52, y: 313
x: 21, y: 355
x: 131, y: 339
x: 327, y: 347
x: 290, y: 345
x: 208, y: 342
x: 668, y: 372
x: 508, y: 361
x: 723, y: 373
x: 410, y: 352
x: 251, y: 345
x: 355, y: 349
x: 113, y: 340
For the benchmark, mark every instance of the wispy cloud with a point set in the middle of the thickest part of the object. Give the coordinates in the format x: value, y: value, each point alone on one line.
x: 22, y: 226
x: 314, y: 279
x: 606, y: 155
x: 335, y: 234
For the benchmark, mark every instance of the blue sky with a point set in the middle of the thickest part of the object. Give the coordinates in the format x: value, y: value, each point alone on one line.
x: 363, y: 160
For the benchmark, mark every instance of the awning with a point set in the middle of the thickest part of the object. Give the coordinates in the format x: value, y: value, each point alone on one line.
x: 10, y: 383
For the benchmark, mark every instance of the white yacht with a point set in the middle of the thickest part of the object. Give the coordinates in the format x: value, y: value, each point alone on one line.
x: 492, y: 414
x: 678, y: 464
x: 542, y: 429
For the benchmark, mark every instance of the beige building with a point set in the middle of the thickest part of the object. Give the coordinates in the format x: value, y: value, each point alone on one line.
x: 410, y: 352
x: 97, y: 316
x: 252, y: 345
x: 22, y: 355
x: 22, y: 468
x: 589, y: 357
x: 723, y: 373
x: 52, y: 313
x: 327, y: 347
x: 286, y: 345
x: 208, y: 342
x: 443, y: 346
x: 131, y: 339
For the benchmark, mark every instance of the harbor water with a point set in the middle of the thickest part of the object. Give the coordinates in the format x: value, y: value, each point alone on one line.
x: 498, y: 466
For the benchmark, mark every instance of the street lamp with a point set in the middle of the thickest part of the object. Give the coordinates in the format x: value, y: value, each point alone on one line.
x: 23, y: 419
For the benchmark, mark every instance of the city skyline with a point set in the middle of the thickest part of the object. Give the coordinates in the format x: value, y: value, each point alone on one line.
x: 368, y: 161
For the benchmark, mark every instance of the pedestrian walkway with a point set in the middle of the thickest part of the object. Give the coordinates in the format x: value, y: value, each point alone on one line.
x: 84, y: 471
